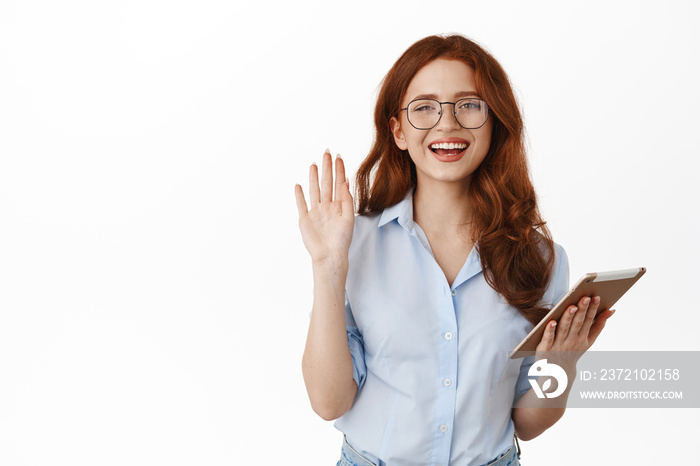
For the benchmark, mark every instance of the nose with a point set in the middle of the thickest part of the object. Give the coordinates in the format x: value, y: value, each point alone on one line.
x: 448, y: 120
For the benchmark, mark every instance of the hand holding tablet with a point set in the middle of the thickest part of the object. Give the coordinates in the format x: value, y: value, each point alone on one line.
x: 609, y: 286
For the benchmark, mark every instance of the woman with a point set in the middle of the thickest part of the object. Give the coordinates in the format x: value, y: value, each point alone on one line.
x: 419, y: 300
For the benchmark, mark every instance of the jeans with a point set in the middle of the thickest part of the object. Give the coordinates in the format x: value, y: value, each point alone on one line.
x: 349, y: 457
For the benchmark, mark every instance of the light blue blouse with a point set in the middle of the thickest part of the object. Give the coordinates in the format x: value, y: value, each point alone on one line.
x: 436, y: 386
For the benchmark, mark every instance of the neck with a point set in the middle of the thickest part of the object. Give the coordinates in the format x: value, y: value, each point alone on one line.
x: 442, y: 207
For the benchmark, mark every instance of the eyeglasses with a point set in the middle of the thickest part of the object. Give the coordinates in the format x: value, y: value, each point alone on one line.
x: 426, y: 113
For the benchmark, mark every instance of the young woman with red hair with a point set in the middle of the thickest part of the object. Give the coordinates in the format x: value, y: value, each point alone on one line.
x: 420, y: 298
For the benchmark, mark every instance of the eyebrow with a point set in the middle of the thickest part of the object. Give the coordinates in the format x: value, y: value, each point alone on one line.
x: 459, y: 95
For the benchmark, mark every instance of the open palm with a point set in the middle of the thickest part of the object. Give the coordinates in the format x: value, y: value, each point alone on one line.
x: 327, y: 224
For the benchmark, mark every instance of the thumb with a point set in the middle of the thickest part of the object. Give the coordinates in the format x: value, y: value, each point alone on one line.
x: 346, y: 197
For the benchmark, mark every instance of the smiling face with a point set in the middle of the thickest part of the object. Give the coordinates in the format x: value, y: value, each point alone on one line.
x: 448, y: 152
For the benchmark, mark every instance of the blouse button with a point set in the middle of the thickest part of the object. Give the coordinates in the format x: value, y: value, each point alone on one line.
x: 454, y: 292
x: 443, y: 428
x: 448, y: 336
x: 447, y: 382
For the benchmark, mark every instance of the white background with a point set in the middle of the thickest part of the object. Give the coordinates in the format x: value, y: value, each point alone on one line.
x: 154, y: 289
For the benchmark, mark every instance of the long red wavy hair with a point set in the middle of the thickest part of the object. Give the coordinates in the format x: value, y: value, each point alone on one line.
x: 516, y: 248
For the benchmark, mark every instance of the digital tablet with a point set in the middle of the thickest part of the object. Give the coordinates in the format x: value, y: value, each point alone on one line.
x: 610, y: 286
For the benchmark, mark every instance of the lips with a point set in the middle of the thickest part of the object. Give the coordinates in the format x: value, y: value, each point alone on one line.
x: 447, y: 148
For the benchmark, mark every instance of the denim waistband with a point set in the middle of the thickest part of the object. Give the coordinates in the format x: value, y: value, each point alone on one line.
x: 350, y: 457
x: 509, y: 458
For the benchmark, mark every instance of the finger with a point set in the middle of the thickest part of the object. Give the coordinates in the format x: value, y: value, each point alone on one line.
x: 580, y: 315
x: 590, y: 315
x: 599, y: 325
x: 339, y: 175
x: 342, y: 188
x: 301, y: 202
x: 548, y: 337
x: 314, y: 193
x: 347, y: 205
x: 327, y: 178
x: 565, y: 322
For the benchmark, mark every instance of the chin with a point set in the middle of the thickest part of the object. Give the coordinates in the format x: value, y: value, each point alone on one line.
x: 447, y: 176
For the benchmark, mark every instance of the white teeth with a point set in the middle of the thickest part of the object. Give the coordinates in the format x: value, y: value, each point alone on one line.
x: 449, y: 145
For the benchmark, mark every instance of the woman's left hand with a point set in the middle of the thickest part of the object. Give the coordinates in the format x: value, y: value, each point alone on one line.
x: 577, y: 329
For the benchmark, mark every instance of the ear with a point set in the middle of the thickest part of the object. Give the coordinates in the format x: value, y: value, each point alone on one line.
x: 399, y: 137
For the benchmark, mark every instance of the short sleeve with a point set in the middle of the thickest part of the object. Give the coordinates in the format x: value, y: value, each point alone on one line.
x: 357, y: 347
x: 556, y: 290
x: 523, y: 384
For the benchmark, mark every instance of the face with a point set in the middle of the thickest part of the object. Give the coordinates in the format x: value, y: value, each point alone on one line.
x: 445, y: 81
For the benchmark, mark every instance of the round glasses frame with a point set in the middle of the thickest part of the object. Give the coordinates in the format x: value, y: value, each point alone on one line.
x: 454, y: 113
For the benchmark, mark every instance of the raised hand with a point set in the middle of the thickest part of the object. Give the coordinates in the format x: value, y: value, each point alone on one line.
x: 327, y: 224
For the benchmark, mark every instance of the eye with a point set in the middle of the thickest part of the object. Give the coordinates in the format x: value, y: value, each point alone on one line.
x: 470, y: 104
x: 424, y: 106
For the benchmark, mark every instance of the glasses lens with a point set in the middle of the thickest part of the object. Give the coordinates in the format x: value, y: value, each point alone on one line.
x: 471, y: 113
x: 424, y: 114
